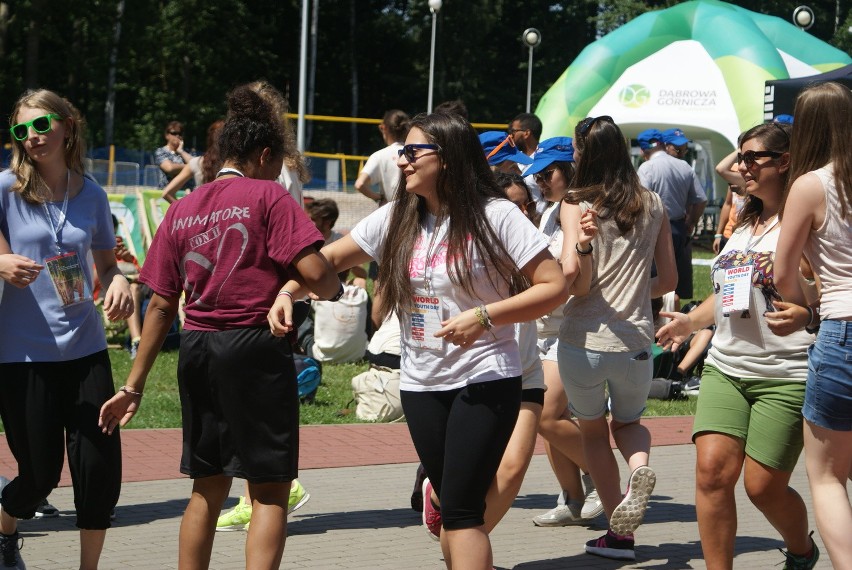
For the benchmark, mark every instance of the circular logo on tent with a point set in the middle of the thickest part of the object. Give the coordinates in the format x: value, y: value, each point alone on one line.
x: 634, y: 96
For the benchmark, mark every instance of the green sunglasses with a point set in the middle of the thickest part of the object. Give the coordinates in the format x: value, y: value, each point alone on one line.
x: 41, y: 125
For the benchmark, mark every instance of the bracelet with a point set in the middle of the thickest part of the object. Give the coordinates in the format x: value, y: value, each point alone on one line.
x: 338, y: 295
x: 718, y: 236
x: 581, y: 252
x: 127, y: 390
x: 481, y: 313
x: 288, y: 293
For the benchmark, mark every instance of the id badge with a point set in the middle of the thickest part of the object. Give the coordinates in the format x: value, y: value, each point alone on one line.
x: 425, y: 321
x: 66, y: 273
x: 736, y: 289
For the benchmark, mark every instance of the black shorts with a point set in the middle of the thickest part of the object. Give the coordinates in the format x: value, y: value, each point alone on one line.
x: 240, y: 405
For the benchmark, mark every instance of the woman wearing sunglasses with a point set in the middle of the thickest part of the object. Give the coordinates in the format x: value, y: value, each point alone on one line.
x: 460, y: 264
x: 818, y: 223
x: 54, y: 362
x: 618, y: 229
x: 749, y: 416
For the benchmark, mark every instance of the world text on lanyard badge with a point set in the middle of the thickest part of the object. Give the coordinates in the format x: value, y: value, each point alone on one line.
x: 66, y: 269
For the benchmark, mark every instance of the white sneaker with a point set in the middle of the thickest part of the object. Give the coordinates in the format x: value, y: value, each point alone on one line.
x: 592, y: 506
x: 561, y: 515
x: 629, y: 513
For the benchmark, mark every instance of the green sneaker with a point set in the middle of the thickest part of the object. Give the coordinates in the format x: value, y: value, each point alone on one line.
x: 298, y: 496
x: 236, y: 519
x: 794, y: 562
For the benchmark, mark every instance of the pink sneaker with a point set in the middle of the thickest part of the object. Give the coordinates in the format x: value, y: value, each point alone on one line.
x: 431, y: 514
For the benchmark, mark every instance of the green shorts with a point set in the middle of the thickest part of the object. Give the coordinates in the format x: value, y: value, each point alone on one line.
x: 766, y: 414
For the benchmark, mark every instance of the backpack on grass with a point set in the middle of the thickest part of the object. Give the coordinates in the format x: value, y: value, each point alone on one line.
x: 308, y: 377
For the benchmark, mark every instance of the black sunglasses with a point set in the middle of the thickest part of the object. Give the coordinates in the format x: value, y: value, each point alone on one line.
x: 749, y: 157
x: 544, y: 176
x: 586, y: 124
x: 40, y: 125
x: 409, y: 151
x: 176, y: 133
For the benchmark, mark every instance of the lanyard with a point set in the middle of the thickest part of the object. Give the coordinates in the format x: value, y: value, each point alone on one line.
x: 752, y: 242
x: 430, y: 257
x: 57, y: 229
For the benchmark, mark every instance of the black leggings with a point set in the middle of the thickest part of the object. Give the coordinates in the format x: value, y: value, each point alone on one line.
x: 460, y: 436
x: 47, y: 406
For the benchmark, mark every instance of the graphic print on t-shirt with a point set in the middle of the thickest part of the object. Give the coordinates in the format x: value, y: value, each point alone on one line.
x: 230, y: 245
x: 761, y: 278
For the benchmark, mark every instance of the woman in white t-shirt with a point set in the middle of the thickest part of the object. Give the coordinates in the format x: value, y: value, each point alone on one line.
x: 380, y: 169
x: 818, y: 221
x: 753, y: 384
x: 460, y: 265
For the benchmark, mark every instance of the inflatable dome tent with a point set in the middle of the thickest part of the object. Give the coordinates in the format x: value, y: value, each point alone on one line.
x: 701, y: 65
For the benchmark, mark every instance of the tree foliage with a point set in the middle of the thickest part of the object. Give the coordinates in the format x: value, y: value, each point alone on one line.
x: 177, y: 59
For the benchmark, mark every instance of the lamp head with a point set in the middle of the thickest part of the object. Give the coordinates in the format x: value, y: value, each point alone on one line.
x: 531, y: 37
x: 435, y: 5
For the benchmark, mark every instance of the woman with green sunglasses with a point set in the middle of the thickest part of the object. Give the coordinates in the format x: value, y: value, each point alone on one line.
x: 54, y: 362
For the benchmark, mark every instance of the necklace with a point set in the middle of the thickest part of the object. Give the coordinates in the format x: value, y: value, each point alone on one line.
x: 234, y: 171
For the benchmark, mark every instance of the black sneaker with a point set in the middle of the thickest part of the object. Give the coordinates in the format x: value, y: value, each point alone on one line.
x: 690, y: 388
x: 611, y: 546
x: 806, y: 562
x: 10, y: 551
x: 46, y: 511
x: 417, y: 493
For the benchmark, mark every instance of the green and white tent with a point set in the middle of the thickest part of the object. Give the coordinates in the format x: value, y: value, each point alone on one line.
x: 700, y: 66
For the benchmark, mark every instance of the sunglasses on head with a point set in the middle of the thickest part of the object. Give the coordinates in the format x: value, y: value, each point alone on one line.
x: 586, y: 124
x: 409, y: 151
x: 544, y: 176
x: 750, y: 157
x: 507, y: 141
x: 41, y: 125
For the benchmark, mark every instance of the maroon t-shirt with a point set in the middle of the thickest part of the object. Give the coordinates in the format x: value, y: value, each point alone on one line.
x: 228, y: 245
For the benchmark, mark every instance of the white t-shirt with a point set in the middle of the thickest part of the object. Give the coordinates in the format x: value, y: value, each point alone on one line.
x: 382, y: 169
x: 743, y: 346
x: 548, y: 325
x: 386, y: 339
x: 495, y: 354
x: 290, y: 181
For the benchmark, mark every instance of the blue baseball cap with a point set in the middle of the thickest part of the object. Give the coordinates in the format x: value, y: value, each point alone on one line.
x: 783, y: 119
x: 508, y: 151
x: 675, y: 137
x: 645, y: 138
x: 556, y: 149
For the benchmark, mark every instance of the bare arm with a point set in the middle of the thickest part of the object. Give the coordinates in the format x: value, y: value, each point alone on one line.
x: 681, y: 326
x: 578, y: 229
x: 804, y: 211
x: 120, y: 409
x: 118, y: 303
x: 15, y: 269
x: 723, y: 169
x: 362, y: 185
x: 724, y: 214
x: 666, y: 278
x: 176, y: 184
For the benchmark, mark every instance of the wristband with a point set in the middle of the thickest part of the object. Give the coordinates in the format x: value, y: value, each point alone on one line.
x: 718, y: 236
x: 813, y: 322
x: 288, y: 293
x: 338, y: 295
x: 582, y: 252
x: 127, y: 390
x: 481, y: 313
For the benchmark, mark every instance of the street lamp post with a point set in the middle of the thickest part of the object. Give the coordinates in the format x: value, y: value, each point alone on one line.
x: 434, y: 7
x: 531, y: 39
x: 803, y: 17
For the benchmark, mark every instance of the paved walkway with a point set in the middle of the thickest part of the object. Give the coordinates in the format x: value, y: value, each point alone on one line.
x: 360, y: 479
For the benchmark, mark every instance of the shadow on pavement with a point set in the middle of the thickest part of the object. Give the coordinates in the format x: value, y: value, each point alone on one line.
x: 321, y: 523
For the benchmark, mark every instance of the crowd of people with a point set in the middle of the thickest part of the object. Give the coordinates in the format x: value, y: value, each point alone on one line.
x: 513, y: 280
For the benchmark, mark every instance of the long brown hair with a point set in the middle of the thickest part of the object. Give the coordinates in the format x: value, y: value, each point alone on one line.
x: 465, y: 185
x: 605, y: 175
x: 822, y: 135
x: 775, y: 137
x: 212, y: 159
x: 30, y: 183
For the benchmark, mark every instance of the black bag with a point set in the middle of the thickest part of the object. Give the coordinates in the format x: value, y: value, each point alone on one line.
x: 665, y: 389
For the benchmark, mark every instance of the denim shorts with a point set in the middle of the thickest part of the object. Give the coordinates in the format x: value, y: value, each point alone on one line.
x: 828, y: 396
x: 588, y: 375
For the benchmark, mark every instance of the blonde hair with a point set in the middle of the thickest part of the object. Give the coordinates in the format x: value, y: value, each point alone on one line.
x: 30, y: 183
x: 293, y: 159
